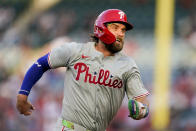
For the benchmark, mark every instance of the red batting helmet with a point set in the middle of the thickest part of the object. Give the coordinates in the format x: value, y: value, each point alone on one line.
x: 109, y: 16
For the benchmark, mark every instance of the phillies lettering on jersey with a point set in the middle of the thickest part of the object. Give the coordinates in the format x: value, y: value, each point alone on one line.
x: 103, y: 76
x: 95, y: 106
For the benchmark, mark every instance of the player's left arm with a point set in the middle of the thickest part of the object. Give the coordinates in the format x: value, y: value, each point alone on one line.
x: 138, y: 104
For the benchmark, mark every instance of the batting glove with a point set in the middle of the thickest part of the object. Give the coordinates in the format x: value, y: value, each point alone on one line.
x: 137, y: 109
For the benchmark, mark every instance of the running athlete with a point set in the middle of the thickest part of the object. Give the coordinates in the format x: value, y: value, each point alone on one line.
x: 97, y: 78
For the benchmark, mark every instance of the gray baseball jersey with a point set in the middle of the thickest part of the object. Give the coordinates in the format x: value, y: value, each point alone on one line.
x: 95, y: 85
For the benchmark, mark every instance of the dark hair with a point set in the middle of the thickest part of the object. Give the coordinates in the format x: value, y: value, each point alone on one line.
x: 94, y: 38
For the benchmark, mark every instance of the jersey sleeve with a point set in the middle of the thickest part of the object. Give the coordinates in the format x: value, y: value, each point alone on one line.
x: 135, y: 88
x: 134, y: 85
x: 61, y: 56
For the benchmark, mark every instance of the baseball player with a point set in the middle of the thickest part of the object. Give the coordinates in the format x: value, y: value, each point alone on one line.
x: 97, y: 78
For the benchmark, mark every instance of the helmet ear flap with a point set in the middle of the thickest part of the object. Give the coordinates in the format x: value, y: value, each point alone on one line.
x: 104, y: 35
x: 99, y: 31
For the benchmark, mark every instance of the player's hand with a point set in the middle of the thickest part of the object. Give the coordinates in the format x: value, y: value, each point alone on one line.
x: 137, y: 110
x: 23, y: 106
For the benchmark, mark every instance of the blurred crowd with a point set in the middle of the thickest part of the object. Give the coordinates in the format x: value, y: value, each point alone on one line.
x: 19, y: 48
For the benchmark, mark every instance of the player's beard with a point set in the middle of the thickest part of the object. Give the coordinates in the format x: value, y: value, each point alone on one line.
x: 116, y: 46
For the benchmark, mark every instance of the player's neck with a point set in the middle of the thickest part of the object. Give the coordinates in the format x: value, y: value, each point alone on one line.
x: 101, y: 48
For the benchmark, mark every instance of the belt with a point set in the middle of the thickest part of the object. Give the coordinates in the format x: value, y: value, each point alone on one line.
x: 69, y: 124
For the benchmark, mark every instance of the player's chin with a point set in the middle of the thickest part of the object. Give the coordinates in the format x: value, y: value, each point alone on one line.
x: 114, y: 47
x: 118, y: 46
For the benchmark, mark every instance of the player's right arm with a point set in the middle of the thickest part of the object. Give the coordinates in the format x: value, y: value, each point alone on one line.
x: 33, y: 74
x: 58, y: 57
